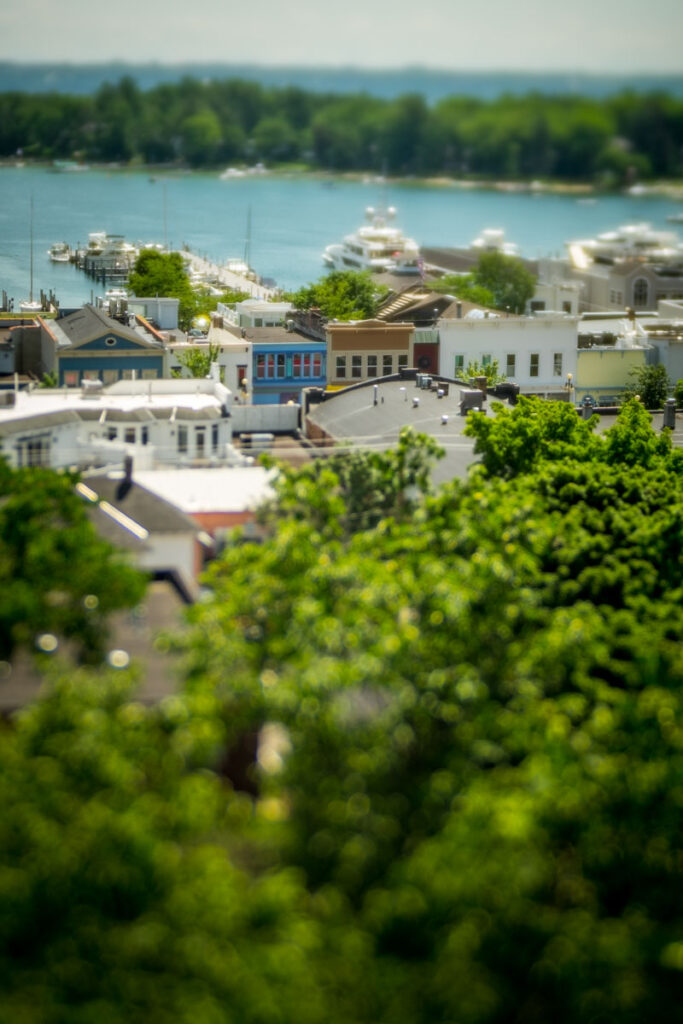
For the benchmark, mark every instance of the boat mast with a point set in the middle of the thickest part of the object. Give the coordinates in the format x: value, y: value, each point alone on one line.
x: 247, y: 241
x: 30, y: 295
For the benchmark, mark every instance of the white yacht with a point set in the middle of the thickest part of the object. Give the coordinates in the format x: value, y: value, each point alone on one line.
x: 493, y: 240
x: 629, y: 242
x: 60, y: 252
x: 377, y: 246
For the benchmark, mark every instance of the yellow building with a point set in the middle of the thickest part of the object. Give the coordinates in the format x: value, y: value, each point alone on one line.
x: 604, y: 371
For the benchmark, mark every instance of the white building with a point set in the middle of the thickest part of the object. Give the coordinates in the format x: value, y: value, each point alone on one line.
x: 255, y: 313
x: 232, y: 354
x: 536, y: 352
x: 157, y: 422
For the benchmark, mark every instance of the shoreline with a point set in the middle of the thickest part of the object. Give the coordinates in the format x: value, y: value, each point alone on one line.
x: 159, y: 172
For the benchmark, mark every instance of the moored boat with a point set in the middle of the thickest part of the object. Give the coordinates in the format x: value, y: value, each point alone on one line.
x: 60, y: 252
x: 377, y: 246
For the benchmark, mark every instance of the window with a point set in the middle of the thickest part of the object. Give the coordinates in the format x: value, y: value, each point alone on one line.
x: 129, y: 435
x: 387, y: 365
x: 280, y: 365
x: 537, y: 305
x: 149, y: 375
x: 640, y: 293
x: 128, y: 374
x: 356, y: 366
x: 241, y: 375
x: 372, y: 366
x: 270, y: 365
x: 110, y: 341
x: 34, y: 451
x: 341, y: 366
x: 510, y: 364
x: 71, y: 378
x: 145, y: 435
x: 214, y: 437
x: 296, y: 364
x: 91, y: 375
x: 112, y: 433
x: 566, y: 307
x: 258, y: 321
x: 533, y: 364
x: 402, y: 362
x: 200, y: 441
x: 318, y: 364
x: 459, y: 366
x: 182, y: 439
x: 110, y: 376
x: 260, y: 367
x: 486, y: 360
x: 557, y: 364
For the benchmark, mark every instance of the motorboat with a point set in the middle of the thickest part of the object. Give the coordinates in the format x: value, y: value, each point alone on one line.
x: 493, y: 240
x: 629, y: 242
x: 60, y: 252
x: 377, y: 246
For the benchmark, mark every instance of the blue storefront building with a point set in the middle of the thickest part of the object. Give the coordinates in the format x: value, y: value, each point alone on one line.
x: 281, y: 369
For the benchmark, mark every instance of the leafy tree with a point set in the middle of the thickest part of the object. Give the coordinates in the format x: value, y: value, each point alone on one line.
x: 201, y: 136
x: 651, y: 384
x: 123, y: 894
x: 58, y: 579
x: 467, y: 789
x: 491, y: 371
x: 508, y: 280
x: 463, y: 286
x: 465, y: 696
x: 197, y: 361
x: 342, y: 295
x: 159, y: 273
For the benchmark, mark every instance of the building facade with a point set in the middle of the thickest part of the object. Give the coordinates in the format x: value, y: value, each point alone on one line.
x: 538, y: 353
x: 281, y: 369
x: 366, y: 349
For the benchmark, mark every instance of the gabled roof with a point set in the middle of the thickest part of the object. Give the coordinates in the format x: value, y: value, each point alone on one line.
x: 90, y: 323
x: 145, y: 509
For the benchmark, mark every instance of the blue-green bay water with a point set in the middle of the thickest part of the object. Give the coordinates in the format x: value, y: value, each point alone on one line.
x: 291, y: 219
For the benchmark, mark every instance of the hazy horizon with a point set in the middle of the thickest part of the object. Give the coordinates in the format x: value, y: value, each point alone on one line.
x: 613, y: 37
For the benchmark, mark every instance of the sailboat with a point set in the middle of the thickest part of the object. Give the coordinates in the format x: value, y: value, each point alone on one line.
x: 29, y: 305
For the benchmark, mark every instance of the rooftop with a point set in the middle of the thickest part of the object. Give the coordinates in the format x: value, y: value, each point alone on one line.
x: 352, y: 415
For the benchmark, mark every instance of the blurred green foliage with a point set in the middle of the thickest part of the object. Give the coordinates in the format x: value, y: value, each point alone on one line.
x: 469, y: 781
x: 205, y: 124
x: 342, y: 295
x: 651, y: 384
x: 498, y: 281
x: 57, y: 576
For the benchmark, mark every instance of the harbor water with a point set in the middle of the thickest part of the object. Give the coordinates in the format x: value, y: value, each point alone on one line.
x: 280, y: 223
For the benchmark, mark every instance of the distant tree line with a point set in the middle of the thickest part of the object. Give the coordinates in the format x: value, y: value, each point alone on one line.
x: 208, y: 124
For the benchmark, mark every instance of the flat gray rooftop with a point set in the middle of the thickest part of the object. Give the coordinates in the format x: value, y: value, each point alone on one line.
x: 352, y: 416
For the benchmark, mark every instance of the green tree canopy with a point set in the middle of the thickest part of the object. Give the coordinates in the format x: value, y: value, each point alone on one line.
x: 467, y: 704
x: 160, y: 273
x: 651, y: 384
x: 464, y: 698
x: 58, y: 578
x: 342, y: 295
x: 507, y: 279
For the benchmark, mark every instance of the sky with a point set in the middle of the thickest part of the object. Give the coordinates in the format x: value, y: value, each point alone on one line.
x: 520, y: 35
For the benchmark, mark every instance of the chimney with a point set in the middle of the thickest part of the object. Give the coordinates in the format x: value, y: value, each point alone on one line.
x: 458, y: 310
x: 127, y: 482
